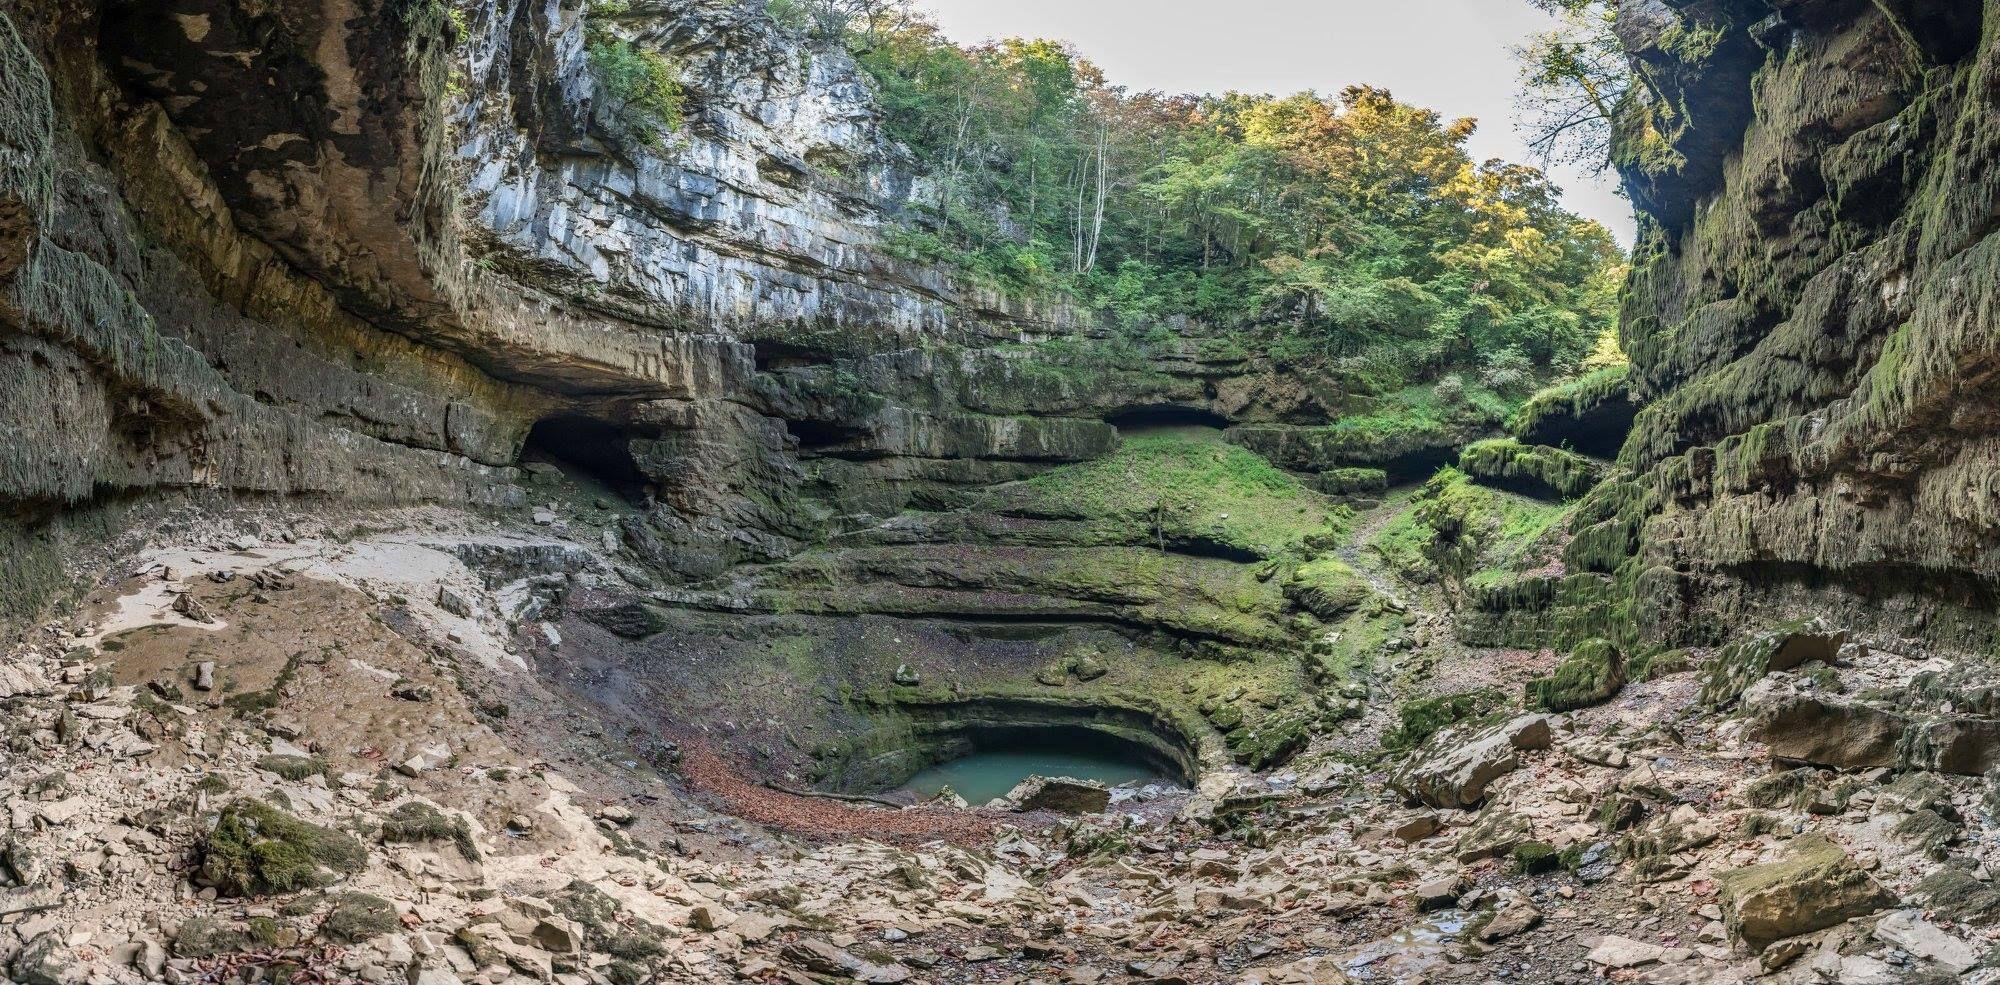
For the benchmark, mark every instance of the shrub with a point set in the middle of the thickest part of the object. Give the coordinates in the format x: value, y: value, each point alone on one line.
x: 642, y: 88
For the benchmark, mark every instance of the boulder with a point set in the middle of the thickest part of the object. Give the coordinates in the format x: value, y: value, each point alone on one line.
x: 1517, y: 916
x: 1438, y: 893
x: 1060, y: 794
x: 1815, y: 886
x: 1414, y: 827
x: 454, y: 602
x: 1746, y: 661
x: 631, y: 619
x: 45, y: 961
x: 1828, y: 732
x: 1453, y: 769
x: 818, y: 956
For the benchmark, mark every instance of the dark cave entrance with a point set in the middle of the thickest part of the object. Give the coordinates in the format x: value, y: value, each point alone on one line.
x: 1162, y: 418
x: 586, y: 449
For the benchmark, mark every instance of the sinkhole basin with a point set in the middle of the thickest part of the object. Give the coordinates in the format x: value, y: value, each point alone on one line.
x: 982, y: 746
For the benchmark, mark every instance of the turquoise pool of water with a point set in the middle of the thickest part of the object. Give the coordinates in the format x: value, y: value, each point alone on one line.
x: 983, y: 776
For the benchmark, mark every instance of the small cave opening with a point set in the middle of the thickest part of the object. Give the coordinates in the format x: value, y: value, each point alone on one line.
x: 815, y: 436
x: 1419, y: 465
x: 1165, y: 418
x: 588, y: 450
x: 775, y: 356
x: 1600, y: 432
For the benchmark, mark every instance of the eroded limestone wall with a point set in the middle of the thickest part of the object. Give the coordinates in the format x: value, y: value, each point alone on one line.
x: 1810, y: 315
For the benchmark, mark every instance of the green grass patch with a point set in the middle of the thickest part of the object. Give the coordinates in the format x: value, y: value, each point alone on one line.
x: 1175, y: 491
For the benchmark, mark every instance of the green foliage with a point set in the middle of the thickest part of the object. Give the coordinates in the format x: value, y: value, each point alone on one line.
x: 1320, y: 228
x: 639, y: 87
x: 1170, y: 490
x: 1592, y: 673
x: 1572, y: 80
x: 256, y: 849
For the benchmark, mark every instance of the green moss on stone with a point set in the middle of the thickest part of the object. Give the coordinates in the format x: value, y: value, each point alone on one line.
x: 358, y: 917
x: 1592, y: 674
x: 1533, y: 469
x: 256, y: 849
x: 293, y: 767
x: 1422, y: 718
x: 1327, y: 588
x: 1170, y: 491
x: 418, y: 822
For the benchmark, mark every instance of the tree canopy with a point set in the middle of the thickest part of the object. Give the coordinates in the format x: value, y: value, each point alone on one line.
x: 1331, y: 227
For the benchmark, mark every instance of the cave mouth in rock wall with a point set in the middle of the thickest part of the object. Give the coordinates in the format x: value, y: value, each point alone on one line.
x: 587, y: 449
x: 1000, y: 741
x: 1165, y: 419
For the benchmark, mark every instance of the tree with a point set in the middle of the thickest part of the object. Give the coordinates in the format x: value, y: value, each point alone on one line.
x: 1572, y: 79
x: 859, y: 23
x: 1344, y: 230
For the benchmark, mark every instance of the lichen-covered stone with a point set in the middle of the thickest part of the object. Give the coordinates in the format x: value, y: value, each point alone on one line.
x: 1815, y: 885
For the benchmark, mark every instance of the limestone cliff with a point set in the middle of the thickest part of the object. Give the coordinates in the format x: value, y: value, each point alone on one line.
x: 1808, y: 316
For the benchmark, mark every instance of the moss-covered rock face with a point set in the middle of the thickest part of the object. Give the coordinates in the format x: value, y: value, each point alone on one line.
x: 1806, y: 320
x: 1532, y: 469
x: 256, y: 849
x: 1592, y: 413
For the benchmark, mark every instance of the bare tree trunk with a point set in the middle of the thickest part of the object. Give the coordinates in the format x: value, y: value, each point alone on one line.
x: 1076, y: 221
x: 1103, y: 186
x: 957, y: 147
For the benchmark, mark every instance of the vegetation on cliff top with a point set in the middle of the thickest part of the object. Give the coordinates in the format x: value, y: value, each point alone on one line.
x: 1351, y: 228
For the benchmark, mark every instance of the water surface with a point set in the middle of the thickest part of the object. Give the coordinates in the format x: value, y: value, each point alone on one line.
x: 983, y: 776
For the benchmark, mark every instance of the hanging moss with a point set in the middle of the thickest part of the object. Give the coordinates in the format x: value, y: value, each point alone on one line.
x: 1531, y: 469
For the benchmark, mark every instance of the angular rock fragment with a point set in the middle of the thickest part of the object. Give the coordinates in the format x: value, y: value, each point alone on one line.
x: 1814, y: 886
x: 1060, y: 794
x: 1453, y: 769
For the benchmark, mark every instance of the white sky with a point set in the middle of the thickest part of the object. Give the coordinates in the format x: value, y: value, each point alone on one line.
x: 1448, y: 55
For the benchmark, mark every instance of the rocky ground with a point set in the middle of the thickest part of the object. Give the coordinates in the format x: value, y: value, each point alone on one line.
x: 326, y: 750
